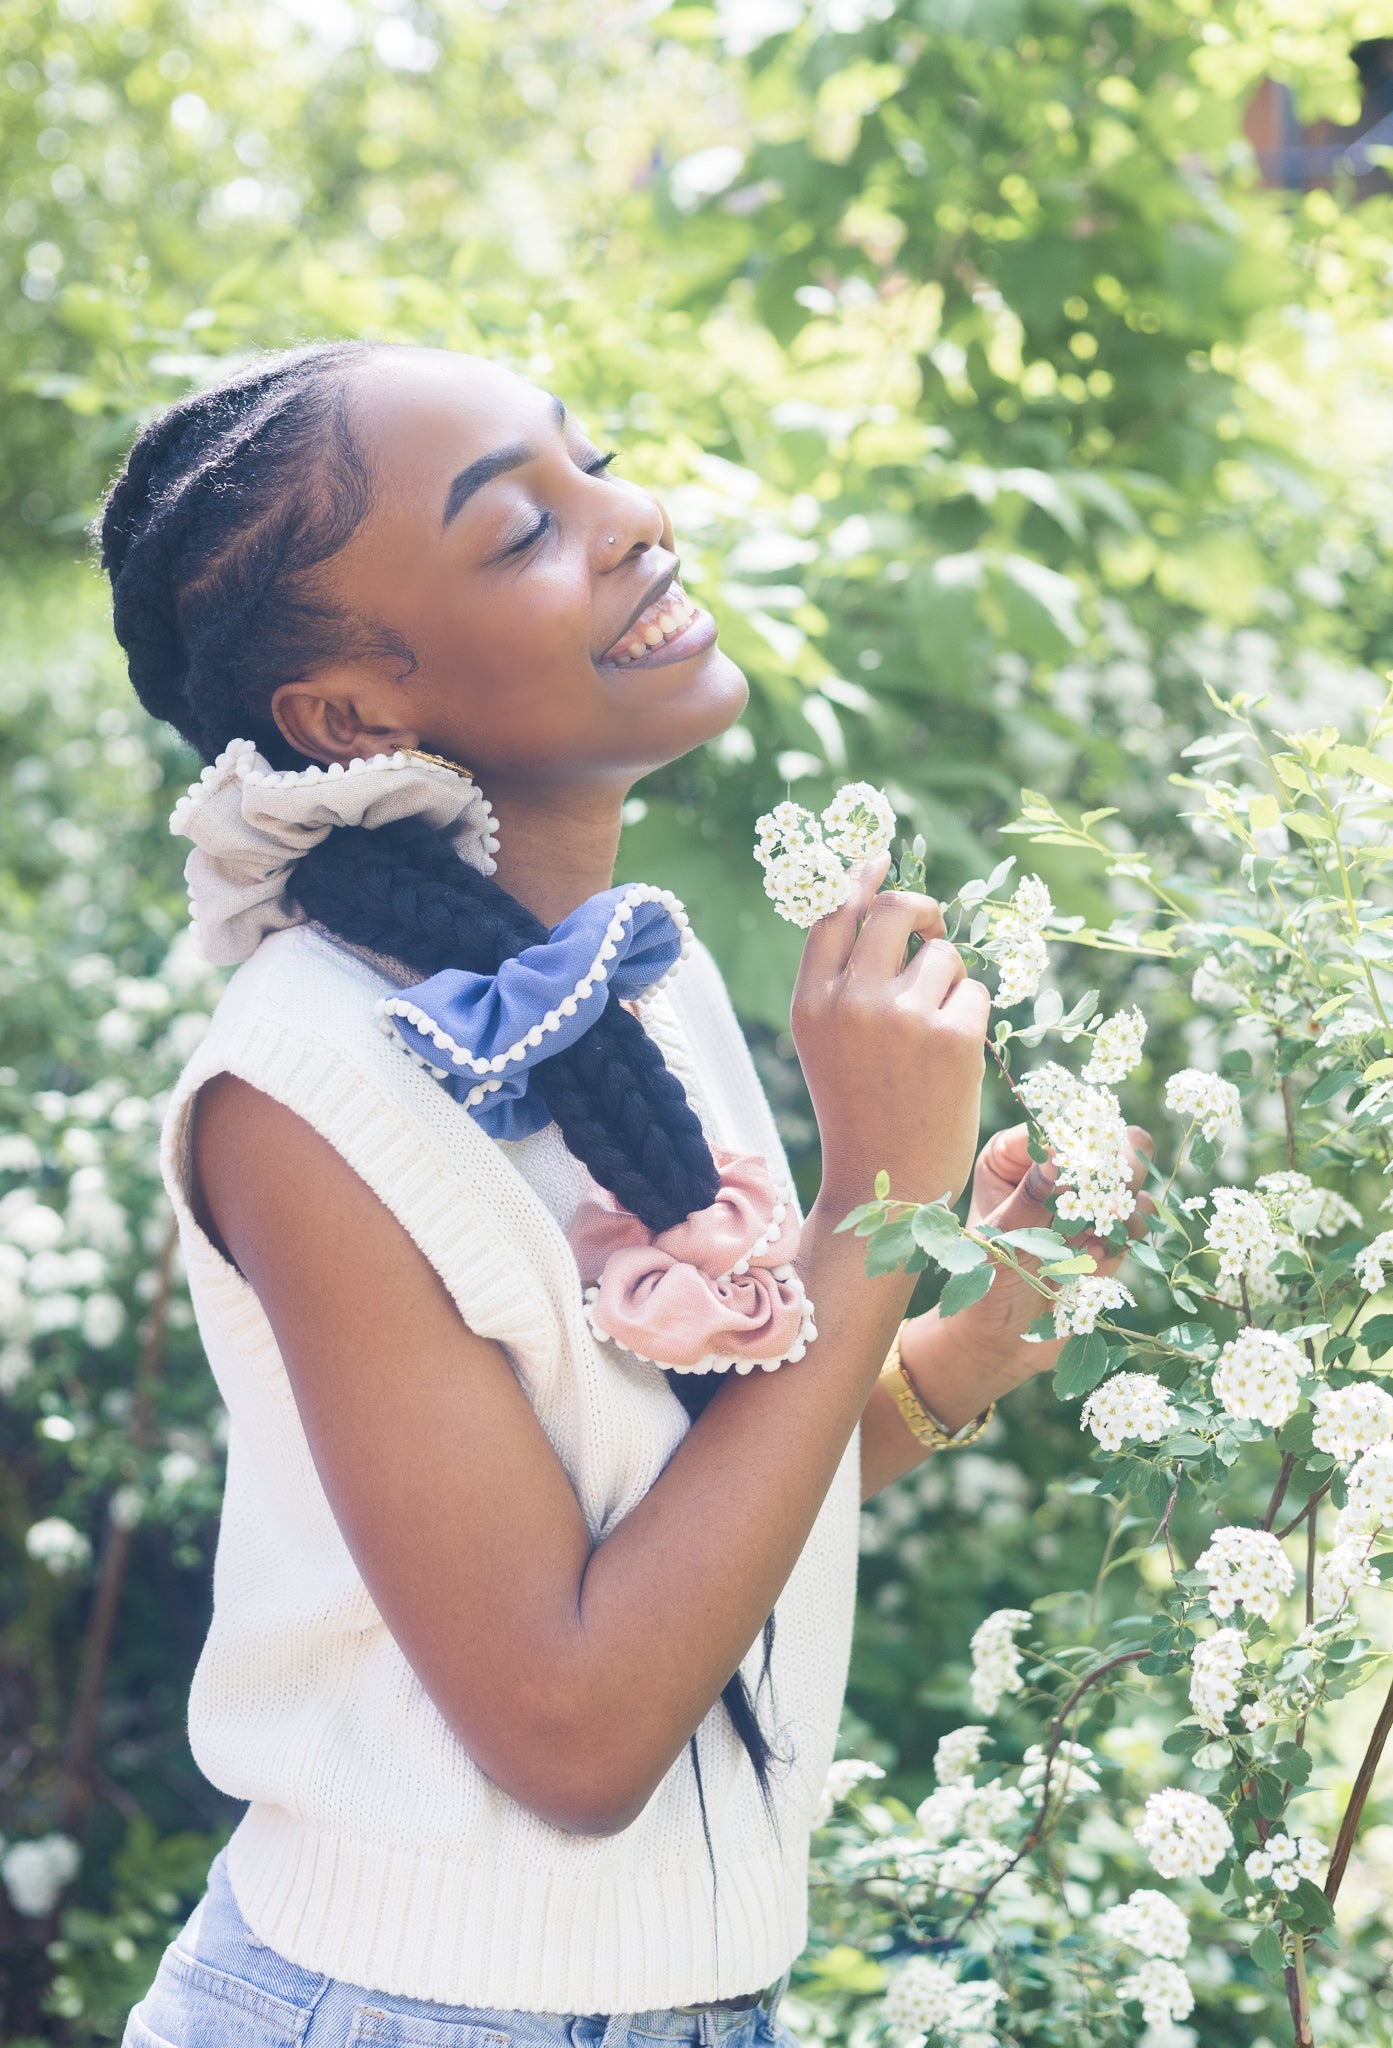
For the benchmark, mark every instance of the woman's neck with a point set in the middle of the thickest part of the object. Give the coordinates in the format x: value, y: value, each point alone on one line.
x: 556, y: 848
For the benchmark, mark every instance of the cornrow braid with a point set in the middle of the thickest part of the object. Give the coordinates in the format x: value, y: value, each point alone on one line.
x: 212, y: 535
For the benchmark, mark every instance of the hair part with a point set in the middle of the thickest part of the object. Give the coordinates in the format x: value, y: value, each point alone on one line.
x: 213, y: 536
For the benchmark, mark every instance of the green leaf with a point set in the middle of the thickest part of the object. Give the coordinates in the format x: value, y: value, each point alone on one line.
x: 1295, y: 1433
x: 1376, y: 1335
x: 938, y: 1233
x: 1312, y: 1905
x: 1076, y: 1262
x: 859, y: 1215
x: 882, y: 1185
x: 1081, y: 1365
x: 1267, y: 1952
x: 1327, y: 1086
x: 965, y: 1288
x: 1293, y: 1763
x: 1037, y: 1244
x: 890, y: 1248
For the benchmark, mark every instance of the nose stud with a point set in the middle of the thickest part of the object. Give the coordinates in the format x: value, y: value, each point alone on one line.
x: 610, y: 539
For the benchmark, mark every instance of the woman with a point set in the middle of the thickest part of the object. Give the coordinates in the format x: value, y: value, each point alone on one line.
x: 529, y: 1672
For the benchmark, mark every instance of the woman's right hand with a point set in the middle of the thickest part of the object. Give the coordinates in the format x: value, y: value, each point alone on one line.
x: 893, y: 1052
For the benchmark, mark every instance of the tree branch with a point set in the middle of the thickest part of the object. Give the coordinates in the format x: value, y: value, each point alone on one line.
x: 1354, y: 1812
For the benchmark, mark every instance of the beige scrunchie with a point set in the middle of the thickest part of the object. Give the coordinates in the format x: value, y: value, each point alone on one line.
x: 250, y: 823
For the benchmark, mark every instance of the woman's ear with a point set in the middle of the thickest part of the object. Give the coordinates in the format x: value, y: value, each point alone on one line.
x: 332, y: 718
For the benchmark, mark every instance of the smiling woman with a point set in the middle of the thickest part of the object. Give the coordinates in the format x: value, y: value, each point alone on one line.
x: 486, y: 1592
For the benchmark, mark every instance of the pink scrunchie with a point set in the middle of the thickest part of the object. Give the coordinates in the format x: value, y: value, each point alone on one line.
x: 712, y: 1292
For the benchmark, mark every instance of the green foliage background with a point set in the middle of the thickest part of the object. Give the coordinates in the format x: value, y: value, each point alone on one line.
x: 999, y: 410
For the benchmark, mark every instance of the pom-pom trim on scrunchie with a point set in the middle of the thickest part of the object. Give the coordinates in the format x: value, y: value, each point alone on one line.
x: 625, y: 942
x: 715, y: 1293
x: 250, y: 823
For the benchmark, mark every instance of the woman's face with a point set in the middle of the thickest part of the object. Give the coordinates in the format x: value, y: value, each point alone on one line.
x: 535, y: 588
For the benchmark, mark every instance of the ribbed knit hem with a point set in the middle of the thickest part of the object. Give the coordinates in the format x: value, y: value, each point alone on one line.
x: 531, y: 1940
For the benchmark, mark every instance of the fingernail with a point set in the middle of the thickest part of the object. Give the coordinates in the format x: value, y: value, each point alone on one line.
x: 1040, y: 1179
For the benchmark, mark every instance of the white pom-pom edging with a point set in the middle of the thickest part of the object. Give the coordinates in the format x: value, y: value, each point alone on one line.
x: 769, y: 1235
x: 713, y: 1362
x: 598, y: 971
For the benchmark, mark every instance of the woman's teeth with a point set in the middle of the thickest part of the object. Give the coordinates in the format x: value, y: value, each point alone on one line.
x: 664, y: 619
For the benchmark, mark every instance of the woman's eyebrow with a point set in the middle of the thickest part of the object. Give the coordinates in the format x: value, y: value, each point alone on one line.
x: 475, y: 475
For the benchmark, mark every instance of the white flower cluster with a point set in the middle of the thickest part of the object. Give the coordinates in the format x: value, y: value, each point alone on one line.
x: 1018, y: 942
x: 1368, y: 1267
x: 1240, y: 1231
x: 1342, y: 1571
x: 1183, y: 1835
x: 1087, y: 1133
x: 806, y: 875
x: 1369, y: 1503
x: 1206, y: 1099
x: 1247, y: 1566
x: 1071, y: 1774
x: 979, y: 1812
x: 927, y: 1996
x: 1350, y: 1023
x: 1117, y: 1046
x: 36, y: 1872
x: 1215, y: 1673
x: 1284, y: 1862
x: 1129, y: 1405
x: 859, y: 822
x: 57, y: 1545
x: 958, y: 1754
x: 1150, y: 1923
x: 1259, y: 1376
x: 1351, y: 1420
x: 1079, y: 1303
x: 1258, y: 1713
x: 842, y: 1777
x: 1162, y: 1990
x: 996, y: 1662
x: 1294, y: 1200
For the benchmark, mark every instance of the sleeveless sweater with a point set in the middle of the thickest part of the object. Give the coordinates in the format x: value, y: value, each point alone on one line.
x: 373, y: 1848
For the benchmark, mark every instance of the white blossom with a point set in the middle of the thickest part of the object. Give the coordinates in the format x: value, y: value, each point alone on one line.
x: 1163, y: 1991
x: 58, y: 1545
x: 19, y: 1154
x: 1079, y: 1303
x: 1070, y: 1774
x: 1350, y: 1420
x: 1117, y: 1046
x: 1259, y: 1376
x: 996, y: 1661
x: 1150, y: 1923
x: 29, y: 1223
x: 925, y: 1995
x: 958, y: 1754
x: 103, y: 1319
x: 1293, y: 1199
x: 1183, y: 1835
x: 1247, y: 1566
x: 1342, y: 1571
x: 1283, y: 1862
x: 859, y: 823
x: 1369, y: 1490
x: 978, y: 1811
x: 842, y: 1778
x: 806, y: 885
x: 1368, y: 1267
x: 1087, y: 1133
x: 1257, y: 1714
x: 1215, y: 1672
x: 1131, y: 1405
x: 1351, y: 1022
x: 1206, y: 1099
x: 1018, y: 942
x: 36, y: 1872
x: 1240, y: 1231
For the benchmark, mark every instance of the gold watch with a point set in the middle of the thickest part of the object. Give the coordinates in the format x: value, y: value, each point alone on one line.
x: 922, y: 1426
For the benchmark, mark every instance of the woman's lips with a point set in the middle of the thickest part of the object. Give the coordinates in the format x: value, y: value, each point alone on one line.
x: 670, y: 628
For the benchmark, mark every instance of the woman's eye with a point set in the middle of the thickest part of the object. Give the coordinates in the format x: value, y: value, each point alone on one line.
x: 595, y: 465
x: 529, y: 539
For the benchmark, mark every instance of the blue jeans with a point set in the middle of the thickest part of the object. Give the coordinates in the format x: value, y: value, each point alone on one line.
x: 219, y: 1987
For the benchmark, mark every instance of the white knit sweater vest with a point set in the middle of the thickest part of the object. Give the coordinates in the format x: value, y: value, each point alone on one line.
x: 373, y: 1848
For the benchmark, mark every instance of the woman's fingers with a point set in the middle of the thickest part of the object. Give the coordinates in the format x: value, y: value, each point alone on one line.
x: 828, y: 945
x: 890, y: 922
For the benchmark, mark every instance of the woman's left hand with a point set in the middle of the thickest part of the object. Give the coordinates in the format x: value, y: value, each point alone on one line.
x: 1009, y: 1190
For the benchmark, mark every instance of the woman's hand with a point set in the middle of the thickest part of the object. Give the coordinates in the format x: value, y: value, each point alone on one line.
x: 892, y: 1050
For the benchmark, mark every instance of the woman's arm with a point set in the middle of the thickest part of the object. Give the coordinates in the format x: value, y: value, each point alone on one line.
x: 574, y: 1673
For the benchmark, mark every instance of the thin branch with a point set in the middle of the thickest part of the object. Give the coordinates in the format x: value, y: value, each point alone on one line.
x: 1297, y: 1520
x: 1279, y: 1490
x: 1354, y: 1812
x: 78, y: 1786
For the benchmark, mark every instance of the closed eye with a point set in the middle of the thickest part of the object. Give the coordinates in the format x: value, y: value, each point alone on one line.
x: 594, y: 465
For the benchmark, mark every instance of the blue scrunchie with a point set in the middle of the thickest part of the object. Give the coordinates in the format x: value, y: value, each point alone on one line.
x: 481, y: 1035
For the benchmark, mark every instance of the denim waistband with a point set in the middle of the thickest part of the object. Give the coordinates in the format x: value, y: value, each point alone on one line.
x: 218, y: 1983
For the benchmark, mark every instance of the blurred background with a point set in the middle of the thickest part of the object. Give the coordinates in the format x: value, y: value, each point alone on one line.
x: 1015, y: 371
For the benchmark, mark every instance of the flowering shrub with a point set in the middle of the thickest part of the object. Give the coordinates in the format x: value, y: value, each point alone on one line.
x: 1238, y: 1361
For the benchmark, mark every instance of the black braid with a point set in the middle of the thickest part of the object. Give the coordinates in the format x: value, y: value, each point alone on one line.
x: 212, y: 534
x: 400, y: 889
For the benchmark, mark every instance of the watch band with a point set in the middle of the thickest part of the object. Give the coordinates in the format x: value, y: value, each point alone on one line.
x: 924, y: 1427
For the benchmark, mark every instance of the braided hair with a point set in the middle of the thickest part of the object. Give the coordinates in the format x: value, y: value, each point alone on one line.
x: 228, y: 506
